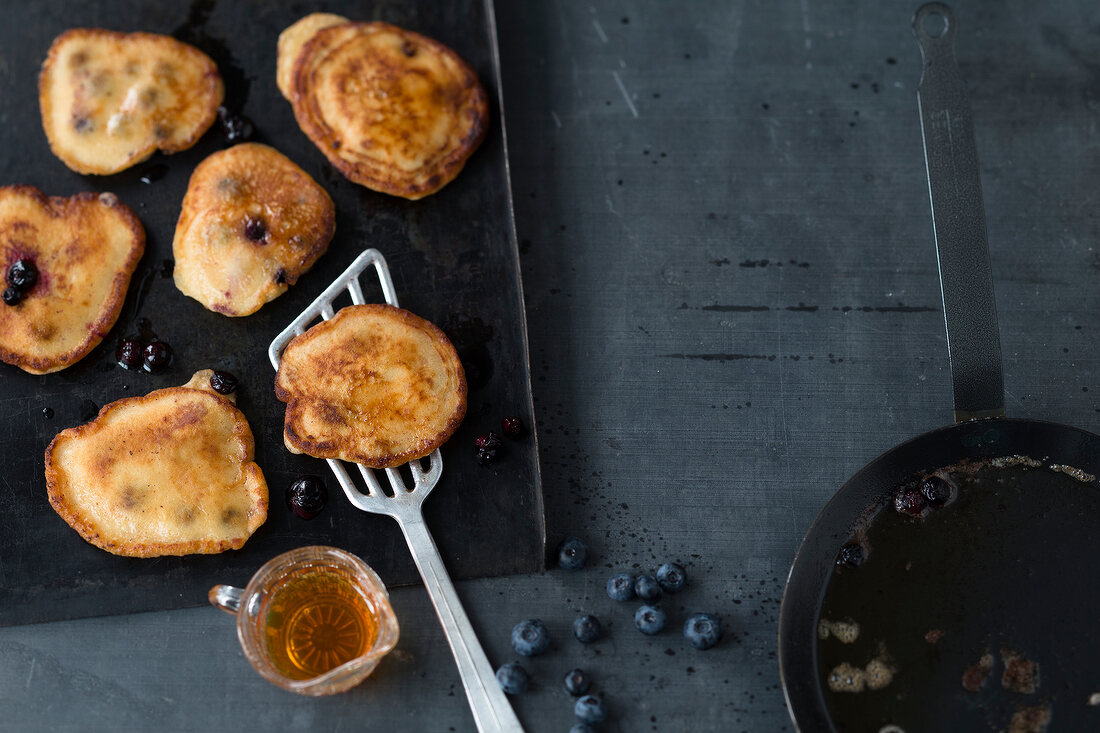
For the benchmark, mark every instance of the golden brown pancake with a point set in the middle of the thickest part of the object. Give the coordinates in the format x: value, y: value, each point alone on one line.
x: 375, y: 385
x: 252, y: 223
x: 391, y: 109
x: 109, y: 100
x: 291, y: 41
x: 85, y: 248
x: 170, y: 473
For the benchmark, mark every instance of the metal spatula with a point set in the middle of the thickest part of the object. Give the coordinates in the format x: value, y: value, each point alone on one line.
x: 487, y: 701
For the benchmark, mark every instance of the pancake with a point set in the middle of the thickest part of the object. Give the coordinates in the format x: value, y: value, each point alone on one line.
x: 169, y: 473
x: 85, y: 248
x: 392, y: 110
x: 109, y: 100
x: 290, y: 44
x: 374, y: 385
x: 252, y: 223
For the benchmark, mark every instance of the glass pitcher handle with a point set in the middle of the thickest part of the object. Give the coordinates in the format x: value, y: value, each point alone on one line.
x: 226, y: 597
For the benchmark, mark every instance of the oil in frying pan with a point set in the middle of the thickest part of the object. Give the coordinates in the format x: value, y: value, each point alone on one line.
x: 977, y: 615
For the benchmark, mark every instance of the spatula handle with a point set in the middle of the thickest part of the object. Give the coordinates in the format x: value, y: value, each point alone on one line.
x: 492, y: 712
x: 958, y: 221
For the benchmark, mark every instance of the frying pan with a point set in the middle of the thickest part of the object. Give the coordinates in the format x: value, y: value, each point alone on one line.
x: 1019, y: 572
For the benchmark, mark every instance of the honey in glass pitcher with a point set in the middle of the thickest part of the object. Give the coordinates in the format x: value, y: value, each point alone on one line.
x: 315, y: 621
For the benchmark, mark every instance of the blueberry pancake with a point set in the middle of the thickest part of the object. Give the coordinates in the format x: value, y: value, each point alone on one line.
x: 67, y: 264
x: 252, y: 223
x: 291, y: 41
x: 169, y: 473
x: 391, y: 109
x: 375, y: 385
x: 109, y: 99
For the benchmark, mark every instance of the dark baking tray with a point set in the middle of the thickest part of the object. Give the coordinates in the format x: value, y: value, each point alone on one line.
x: 453, y: 258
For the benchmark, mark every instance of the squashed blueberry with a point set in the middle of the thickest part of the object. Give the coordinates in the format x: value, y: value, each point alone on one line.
x: 851, y: 555
x: 572, y: 554
x: 936, y: 490
x: 307, y: 496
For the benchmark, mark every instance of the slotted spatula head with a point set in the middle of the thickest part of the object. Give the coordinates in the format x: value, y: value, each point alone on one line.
x: 402, y: 498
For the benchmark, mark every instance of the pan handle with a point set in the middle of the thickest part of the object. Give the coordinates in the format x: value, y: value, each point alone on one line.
x: 958, y: 220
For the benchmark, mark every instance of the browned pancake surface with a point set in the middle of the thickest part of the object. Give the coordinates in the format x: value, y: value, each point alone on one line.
x: 169, y: 473
x: 290, y: 45
x: 375, y: 385
x: 109, y: 99
x: 252, y: 222
x: 393, y: 110
x: 85, y: 248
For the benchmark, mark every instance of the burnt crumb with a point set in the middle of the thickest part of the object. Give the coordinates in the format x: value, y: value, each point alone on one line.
x: 1021, y: 675
x: 976, y: 674
x: 1030, y: 719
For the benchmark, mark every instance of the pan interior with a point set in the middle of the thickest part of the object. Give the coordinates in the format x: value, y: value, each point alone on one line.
x: 972, y: 606
x: 1009, y: 566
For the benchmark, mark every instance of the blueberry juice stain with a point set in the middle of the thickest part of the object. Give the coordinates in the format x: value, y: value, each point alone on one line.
x: 471, y: 336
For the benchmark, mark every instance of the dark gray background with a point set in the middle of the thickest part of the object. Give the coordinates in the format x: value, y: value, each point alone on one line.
x: 733, y: 305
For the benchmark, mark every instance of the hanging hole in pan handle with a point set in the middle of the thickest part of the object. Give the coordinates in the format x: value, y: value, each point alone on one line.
x: 934, y: 23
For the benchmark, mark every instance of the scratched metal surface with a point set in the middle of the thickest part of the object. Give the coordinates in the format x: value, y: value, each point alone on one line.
x: 733, y: 304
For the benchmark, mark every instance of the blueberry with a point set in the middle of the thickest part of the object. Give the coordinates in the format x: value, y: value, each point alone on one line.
x: 587, y: 629
x: 572, y: 554
x: 671, y: 577
x: 703, y: 630
x: 129, y: 354
x: 156, y: 356
x: 12, y: 296
x: 513, y: 678
x: 22, y: 275
x: 910, y: 501
x: 236, y: 128
x: 223, y: 383
x: 255, y: 229
x: 306, y: 496
x: 488, y: 445
x: 530, y: 638
x: 647, y: 588
x: 936, y: 490
x: 650, y: 619
x: 590, y: 709
x: 513, y: 427
x: 577, y: 682
x: 582, y: 728
x: 620, y: 587
x: 851, y: 555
